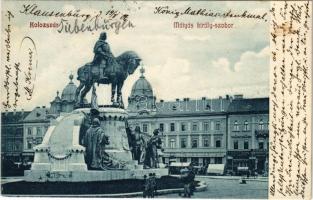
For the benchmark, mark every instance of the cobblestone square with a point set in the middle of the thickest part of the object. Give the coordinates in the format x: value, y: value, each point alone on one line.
x: 229, y: 189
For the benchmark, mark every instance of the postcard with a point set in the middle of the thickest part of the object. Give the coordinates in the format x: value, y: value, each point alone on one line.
x: 156, y: 99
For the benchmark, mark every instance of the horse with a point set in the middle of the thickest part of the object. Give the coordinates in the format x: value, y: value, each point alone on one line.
x: 115, y: 73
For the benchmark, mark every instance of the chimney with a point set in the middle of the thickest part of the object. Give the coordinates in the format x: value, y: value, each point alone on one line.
x: 203, y: 98
x: 238, y: 96
x: 177, y: 100
x: 187, y: 99
x: 227, y: 96
x: 14, y: 111
x: 220, y: 97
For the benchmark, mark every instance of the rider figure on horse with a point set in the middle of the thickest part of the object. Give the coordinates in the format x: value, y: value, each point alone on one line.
x: 103, y: 55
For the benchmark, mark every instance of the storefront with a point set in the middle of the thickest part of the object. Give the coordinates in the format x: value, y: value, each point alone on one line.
x: 254, y: 160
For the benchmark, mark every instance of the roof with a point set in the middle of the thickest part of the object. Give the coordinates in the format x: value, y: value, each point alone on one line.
x: 37, y: 114
x: 249, y: 105
x: 68, y: 93
x: 13, y: 117
x: 141, y: 87
x: 187, y: 106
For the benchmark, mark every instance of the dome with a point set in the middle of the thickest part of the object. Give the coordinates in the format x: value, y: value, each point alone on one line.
x: 141, y: 86
x: 68, y: 93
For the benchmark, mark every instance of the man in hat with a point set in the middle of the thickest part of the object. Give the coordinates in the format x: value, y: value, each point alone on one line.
x: 103, y: 55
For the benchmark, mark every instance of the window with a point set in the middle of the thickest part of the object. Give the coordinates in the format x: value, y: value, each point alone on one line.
x: 172, y: 143
x: 261, y: 125
x: 218, y: 143
x: 172, y: 127
x: 194, y: 143
x: 236, y: 126
x: 235, y: 144
x: 183, y: 143
x: 217, y: 126
x: 261, y: 145
x: 29, y: 131
x: 29, y: 144
x: 246, y: 126
x: 162, y: 127
x: 205, y: 142
x: 218, y: 160
x: 145, y: 128
x: 206, y: 126
x: 183, y: 159
x: 195, y: 161
x: 206, y: 161
x: 9, y: 146
x: 246, y: 145
x: 183, y: 127
x: 174, y: 108
x: 38, y: 131
x: 194, y: 127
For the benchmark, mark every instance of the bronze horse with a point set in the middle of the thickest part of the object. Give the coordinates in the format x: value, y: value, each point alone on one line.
x: 114, y: 73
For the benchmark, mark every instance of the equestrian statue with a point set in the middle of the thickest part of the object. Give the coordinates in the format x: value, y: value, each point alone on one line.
x: 106, y: 69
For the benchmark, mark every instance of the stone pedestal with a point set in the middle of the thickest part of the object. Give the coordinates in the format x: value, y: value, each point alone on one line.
x: 61, y: 158
x: 113, y: 123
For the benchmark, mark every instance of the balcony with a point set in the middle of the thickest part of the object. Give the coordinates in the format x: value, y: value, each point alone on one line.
x: 261, y: 133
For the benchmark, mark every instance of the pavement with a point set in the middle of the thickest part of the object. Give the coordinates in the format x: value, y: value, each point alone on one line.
x: 228, y: 187
x: 258, y: 178
x: 217, y: 187
x: 11, y: 179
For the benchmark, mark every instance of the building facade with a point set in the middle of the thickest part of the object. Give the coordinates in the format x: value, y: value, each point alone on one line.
x: 12, y: 135
x: 248, y: 134
x: 35, y: 126
x: 226, y: 130
x: 193, y: 130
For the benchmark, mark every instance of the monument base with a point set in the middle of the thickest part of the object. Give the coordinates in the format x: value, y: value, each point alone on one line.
x: 91, y: 175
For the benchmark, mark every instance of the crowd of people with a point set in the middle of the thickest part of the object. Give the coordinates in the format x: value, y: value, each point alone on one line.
x: 150, y: 186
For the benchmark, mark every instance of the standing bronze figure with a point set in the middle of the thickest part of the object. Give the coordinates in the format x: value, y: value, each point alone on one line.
x: 152, y: 157
x: 106, y: 69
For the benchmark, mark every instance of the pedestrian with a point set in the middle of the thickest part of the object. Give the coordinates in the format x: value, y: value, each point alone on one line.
x: 184, y: 178
x: 150, y: 186
x: 145, y: 186
x: 154, y: 185
x: 191, y: 178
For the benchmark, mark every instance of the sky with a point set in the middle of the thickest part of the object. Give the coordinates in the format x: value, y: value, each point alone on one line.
x: 178, y: 63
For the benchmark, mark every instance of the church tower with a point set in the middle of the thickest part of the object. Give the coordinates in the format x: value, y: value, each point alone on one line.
x: 141, y: 99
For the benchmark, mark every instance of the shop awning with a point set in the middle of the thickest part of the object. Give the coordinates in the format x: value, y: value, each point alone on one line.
x: 243, y: 168
x: 180, y: 164
x: 216, y: 168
